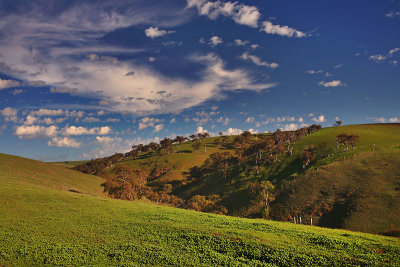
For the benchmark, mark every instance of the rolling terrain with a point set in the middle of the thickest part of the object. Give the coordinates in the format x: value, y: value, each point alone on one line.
x: 356, y: 189
x: 46, y: 221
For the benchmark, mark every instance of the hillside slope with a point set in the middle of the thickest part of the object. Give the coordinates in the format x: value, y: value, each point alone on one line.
x: 43, y: 224
x: 376, y: 141
x: 24, y: 172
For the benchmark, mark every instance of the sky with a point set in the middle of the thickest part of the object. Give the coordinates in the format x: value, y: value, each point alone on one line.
x: 83, y: 79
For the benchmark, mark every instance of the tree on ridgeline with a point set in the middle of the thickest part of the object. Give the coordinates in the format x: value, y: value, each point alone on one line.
x: 339, y: 123
x: 179, y: 139
x: 166, y: 143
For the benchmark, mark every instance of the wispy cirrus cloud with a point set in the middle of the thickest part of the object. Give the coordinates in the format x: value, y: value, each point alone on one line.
x: 256, y: 60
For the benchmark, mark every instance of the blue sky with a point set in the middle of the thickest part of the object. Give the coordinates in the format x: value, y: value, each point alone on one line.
x: 86, y: 79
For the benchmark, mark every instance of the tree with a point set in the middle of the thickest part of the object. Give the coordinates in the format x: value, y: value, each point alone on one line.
x: 126, y: 183
x: 353, y: 140
x: 308, y: 155
x: 263, y: 191
x: 196, y: 145
x: 339, y: 122
x: 179, y: 139
x: 166, y: 143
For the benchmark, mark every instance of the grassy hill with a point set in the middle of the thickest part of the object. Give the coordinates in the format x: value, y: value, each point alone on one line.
x: 22, y: 172
x: 43, y: 222
x: 355, y: 189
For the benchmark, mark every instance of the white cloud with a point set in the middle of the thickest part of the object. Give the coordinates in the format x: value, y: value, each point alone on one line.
x: 240, y: 13
x: 378, y: 58
x: 107, y: 139
x: 215, y: 40
x: 392, y: 14
x: 35, y: 131
x: 338, y: 66
x: 319, y: 119
x: 314, y: 71
x: 63, y: 142
x: 47, y: 112
x: 256, y: 60
x: 8, y: 83
x: 73, y: 130
x: 158, y: 128
x: 9, y: 114
x: 395, y: 119
x: 225, y: 121
x: 173, y: 120
x: 334, y: 83
x: 287, y: 31
x: 300, y: 119
x: 17, y: 91
x: 200, y: 129
x: 154, y: 32
x: 239, y: 42
x: 62, y: 90
x: 290, y: 127
x: 254, y: 46
x: 394, y: 50
x: 233, y: 131
x: 250, y: 119
x: 152, y: 59
x: 30, y: 120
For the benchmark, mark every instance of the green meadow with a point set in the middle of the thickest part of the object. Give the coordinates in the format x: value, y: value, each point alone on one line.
x: 55, y: 216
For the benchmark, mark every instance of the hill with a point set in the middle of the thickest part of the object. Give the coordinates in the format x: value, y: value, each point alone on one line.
x: 43, y: 222
x: 340, y: 188
x: 22, y: 172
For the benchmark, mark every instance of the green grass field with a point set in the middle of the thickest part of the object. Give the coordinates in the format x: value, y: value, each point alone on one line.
x: 42, y: 222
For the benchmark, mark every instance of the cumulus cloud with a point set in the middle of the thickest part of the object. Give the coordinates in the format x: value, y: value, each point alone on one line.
x: 250, y: 119
x: 378, y: 58
x: 240, y: 13
x: 63, y: 142
x: 200, y: 129
x: 8, y: 83
x: 256, y: 60
x: 394, y: 119
x: 158, y: 128
x: 233, y: 131
x: 334, y: 83
x: 239, y: 42
x: 154, y: 32
x: 215, y: 40
x: 35, y: 131
x: 287, y: 31
x: 74, y: 130
x: 148, y: 122
x: 290, y: 127
x: 319, y: 119
x: 9, y: 114
x: 107, y: 139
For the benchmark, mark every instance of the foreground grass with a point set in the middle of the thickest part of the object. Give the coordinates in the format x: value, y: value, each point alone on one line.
x: 41, y: 225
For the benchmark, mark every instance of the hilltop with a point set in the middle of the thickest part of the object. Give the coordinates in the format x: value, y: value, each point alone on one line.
x: 339, y: 187
x: 45, y: 221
